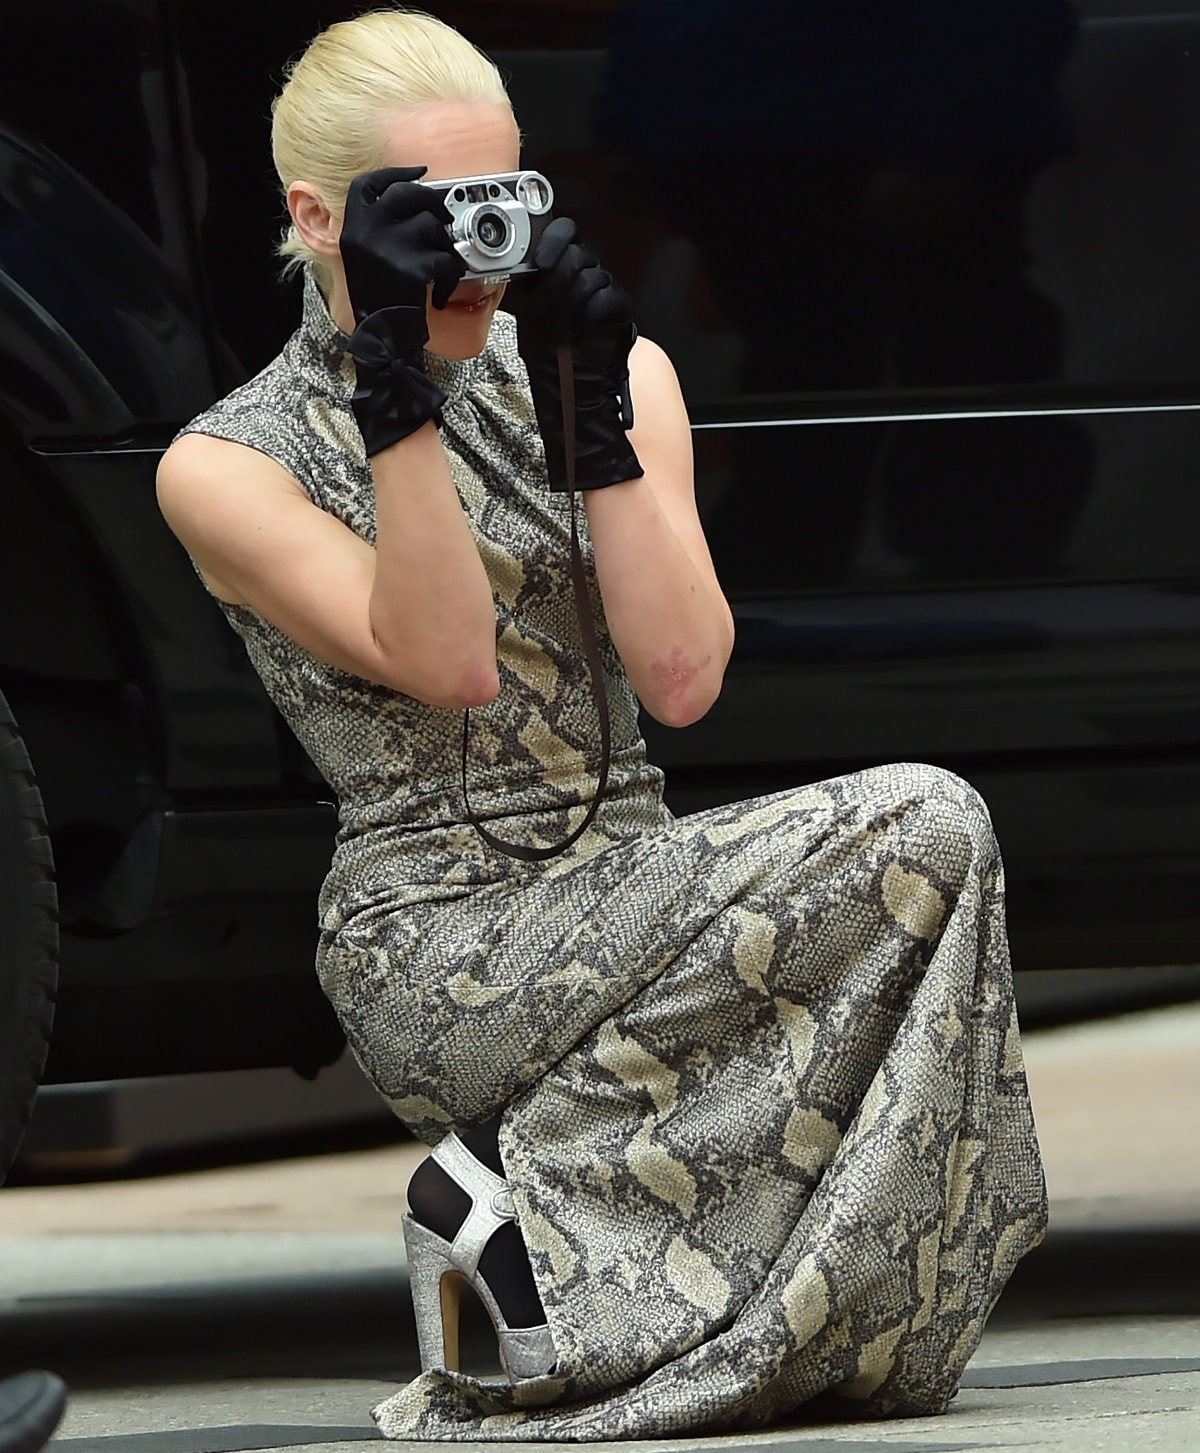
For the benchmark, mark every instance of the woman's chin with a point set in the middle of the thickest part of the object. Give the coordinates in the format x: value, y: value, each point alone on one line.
x: 460, y: 331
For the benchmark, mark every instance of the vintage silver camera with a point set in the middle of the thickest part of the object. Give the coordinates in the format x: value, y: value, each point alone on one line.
x: 496, y: 219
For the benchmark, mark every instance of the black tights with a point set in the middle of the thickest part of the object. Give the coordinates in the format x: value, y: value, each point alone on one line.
x: 441, y: 1205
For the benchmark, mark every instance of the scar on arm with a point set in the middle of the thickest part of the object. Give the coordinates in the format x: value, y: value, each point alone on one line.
x: 677, y: 674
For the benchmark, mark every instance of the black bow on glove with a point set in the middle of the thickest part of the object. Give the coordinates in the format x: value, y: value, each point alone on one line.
x: 394, y: 246
x: 570, y: 300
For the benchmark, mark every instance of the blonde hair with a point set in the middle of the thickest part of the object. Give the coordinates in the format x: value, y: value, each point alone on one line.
x: 327, y: 123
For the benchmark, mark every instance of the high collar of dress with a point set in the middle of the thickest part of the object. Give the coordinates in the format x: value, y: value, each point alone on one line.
x: 320, y: 349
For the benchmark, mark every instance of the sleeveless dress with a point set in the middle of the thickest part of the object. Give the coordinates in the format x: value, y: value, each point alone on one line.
x: 764, y: 1104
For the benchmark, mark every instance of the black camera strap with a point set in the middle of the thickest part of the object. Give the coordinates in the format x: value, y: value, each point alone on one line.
x: 591, y: 652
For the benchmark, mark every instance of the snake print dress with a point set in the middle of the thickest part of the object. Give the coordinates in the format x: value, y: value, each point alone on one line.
x: 764, y: 1104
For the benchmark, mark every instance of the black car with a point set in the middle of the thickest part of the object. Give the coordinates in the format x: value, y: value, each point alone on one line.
x: 927, y: 271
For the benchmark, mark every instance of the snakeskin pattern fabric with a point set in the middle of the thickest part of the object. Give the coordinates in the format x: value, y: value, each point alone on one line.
x: 765, y: 1111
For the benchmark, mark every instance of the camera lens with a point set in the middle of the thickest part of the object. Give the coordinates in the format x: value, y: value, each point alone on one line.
x: 492, y: 230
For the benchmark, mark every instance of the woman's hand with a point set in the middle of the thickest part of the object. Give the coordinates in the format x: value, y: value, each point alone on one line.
x: 571, y: 300
x: 397, y: 255
x: 394, y: 243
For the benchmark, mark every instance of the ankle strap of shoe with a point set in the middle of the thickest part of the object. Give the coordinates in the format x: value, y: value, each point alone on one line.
x: 491, y: 1202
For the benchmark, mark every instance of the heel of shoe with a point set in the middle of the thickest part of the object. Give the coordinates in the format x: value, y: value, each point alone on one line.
x: 436, y: 1284
x: 438, y: 1268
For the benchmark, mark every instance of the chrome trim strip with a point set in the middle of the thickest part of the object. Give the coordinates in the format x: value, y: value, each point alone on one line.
x: 963, y: 414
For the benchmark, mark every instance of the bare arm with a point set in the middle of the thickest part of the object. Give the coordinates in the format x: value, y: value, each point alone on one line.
x: 414, y: 613
x: 665, y: 610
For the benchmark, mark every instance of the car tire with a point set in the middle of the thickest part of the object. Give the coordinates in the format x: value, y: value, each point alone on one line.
x: 28, y: 938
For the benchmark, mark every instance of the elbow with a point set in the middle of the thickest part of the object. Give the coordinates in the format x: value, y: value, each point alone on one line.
x: 456, y: 685
x: 455, y: 674
x: 678, y: 691
x: 474, y: 686
x: 678, y: 713
x: 446, y: 683
x: 449, y: 691
x: 682, y: 708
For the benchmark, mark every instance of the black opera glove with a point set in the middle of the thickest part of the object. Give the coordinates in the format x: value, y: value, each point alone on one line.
x: 393, y: 396
x: 395, y: 248
x: 571, y: 300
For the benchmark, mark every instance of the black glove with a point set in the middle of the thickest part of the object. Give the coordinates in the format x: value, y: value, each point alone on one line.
x: 394, y: 243
x: 571, y: 299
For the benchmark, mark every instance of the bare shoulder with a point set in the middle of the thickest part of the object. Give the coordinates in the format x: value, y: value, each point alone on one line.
x: 651, y: 370
x: 200, y: 465
x: 211, y: 491
x: 660, y: 421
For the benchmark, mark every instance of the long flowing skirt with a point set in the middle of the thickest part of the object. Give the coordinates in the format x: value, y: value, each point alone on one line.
x: 766, y: 1115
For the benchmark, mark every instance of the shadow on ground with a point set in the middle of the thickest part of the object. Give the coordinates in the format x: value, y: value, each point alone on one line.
x: 1144, y: 1271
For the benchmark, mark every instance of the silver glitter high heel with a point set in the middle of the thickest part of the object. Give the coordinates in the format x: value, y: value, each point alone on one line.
x: 437, y: 1269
